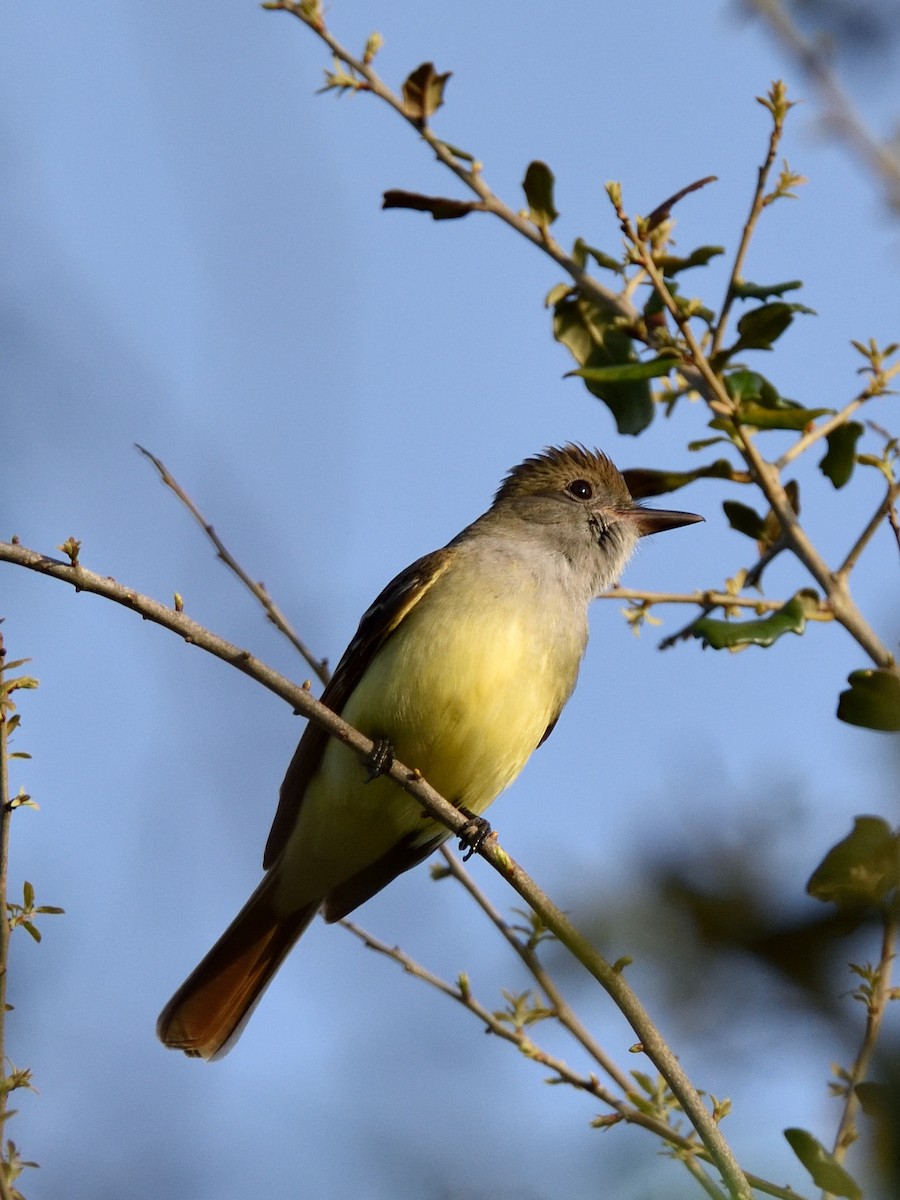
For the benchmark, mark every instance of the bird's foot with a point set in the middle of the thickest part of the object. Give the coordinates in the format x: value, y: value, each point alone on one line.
x: 474, y: 834
x: 381, y: 759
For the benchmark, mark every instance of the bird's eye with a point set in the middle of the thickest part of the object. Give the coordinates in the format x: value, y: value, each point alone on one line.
x: 580, y: 489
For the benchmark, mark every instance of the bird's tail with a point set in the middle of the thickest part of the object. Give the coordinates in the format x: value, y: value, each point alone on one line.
x: 207, y: 1014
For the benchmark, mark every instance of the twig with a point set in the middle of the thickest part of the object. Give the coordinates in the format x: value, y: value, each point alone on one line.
x: 694, y: 1167
x: 561, y: 1008
x: 709, y: 599
x: 470, y: 176
x: 690, y: 1151
x: 756, y: 207
x: 411, y: 781
x: 894, y: 523
x: 841, y: 116
x: 884, y: 509
x: 273, y: 612
x: 462, y: 994
x: 876, y: 1003
x: 765, y: 473
x: 5, y: 818
x: 822, y: 430
x: 699, y: 372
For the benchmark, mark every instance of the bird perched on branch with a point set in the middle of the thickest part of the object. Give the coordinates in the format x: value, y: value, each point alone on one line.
x: 460, y: 668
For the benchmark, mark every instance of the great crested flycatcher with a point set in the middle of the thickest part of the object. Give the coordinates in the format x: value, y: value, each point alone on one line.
x: 462, y: 666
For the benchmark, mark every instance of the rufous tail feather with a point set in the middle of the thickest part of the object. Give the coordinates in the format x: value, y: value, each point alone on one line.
x: 206, y: 1015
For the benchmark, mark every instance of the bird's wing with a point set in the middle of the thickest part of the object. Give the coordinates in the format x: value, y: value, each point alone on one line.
x: 378, y: 622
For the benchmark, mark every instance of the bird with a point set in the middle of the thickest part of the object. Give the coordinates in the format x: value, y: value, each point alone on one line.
x: 460, y: 668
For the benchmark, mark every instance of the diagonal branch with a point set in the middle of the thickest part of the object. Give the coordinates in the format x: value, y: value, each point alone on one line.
x: 462, y: 994
x: 756, y: 207
x: 765, y: 473
x: 884, y: 509
x: 840, y: 115
x: 272, y: 611
x: 470, y: 176
x: 561, y: 1008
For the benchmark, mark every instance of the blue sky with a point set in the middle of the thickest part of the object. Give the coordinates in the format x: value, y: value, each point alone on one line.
x: 196, y: 260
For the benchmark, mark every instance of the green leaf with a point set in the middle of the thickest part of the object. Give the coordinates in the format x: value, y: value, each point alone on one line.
x: 759, y: 328
x: 626, y: 372
x: 643, y: 482
x: 729, y: 635
x: 581, y: 251
x: 760, y: 417
x: 745, y: 520
x: 875, y: 1098
x: 750, y: 385
x: 825, y: 1170
x: 761, y: 405
x: 423, y: 92
x: 28, y: 894
x: 538, y: 188
x: 591, y: 336
x: 650, y: 1086
x: 671, y: 264
x: 859, y: 871
x: 840, y: 458
x: 872, y: 700
x: 689, y: 306
x: 32, y: 929
x: 744, y: 290
x: 456, y: 152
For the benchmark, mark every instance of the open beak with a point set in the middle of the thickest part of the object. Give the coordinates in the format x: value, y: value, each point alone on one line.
x: 657, y: 520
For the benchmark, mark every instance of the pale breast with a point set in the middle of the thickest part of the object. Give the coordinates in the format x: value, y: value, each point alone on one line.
x: 464, y: 692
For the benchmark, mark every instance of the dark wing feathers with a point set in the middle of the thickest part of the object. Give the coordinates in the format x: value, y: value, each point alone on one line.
x: 377, y: 624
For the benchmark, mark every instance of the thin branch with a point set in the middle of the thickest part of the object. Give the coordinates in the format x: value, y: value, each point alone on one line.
x: 561, y: 1008
x: 710, y: 600
x: 6, y: 810
x: 462, y: 994
x: 765, y: 473
x: 273, y: 612
x: 701, y: 1177
x: 756, y: 207
x: 470, y: 176
x: 876, y: 1004
x: 822, y: 430
x: 841, y: 116
x: 699, y: 374
x: 411, y: 781
x: 690, y: 1151
x: 894, y: 523
x: 884, y: 509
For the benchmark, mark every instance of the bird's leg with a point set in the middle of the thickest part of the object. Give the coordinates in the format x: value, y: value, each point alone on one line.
x: 381, y: 759
x: 473, y: 835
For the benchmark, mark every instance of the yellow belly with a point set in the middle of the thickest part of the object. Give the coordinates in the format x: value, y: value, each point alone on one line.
x: 465, y: 701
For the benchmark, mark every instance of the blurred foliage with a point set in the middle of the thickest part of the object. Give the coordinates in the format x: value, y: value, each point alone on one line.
x: 856, y: 29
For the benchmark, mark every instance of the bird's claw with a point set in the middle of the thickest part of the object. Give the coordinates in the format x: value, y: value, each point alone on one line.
x: 381, y: 759
x: 473, y: 834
